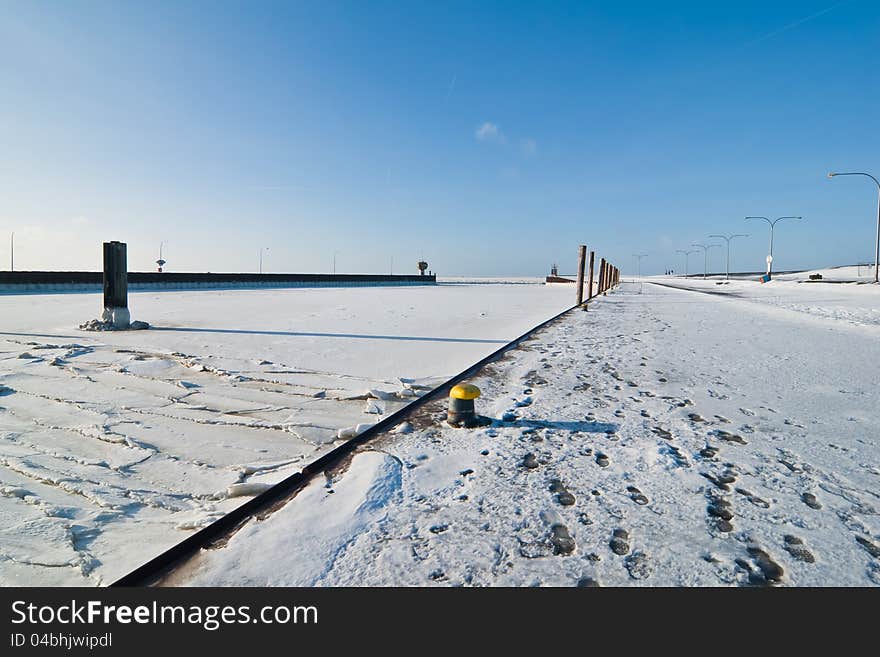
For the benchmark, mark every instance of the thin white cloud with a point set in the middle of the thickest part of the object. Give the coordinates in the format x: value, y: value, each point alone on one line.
x: 509, y: 173
x: 529, y: 147
x: 797, y: 23
x: 451, y: 88
x: 490, y: 132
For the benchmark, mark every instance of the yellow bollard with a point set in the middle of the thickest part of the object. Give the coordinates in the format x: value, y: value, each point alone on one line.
x: 462, y: 411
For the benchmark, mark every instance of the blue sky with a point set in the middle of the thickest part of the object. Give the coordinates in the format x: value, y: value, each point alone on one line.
x: 488, y: 138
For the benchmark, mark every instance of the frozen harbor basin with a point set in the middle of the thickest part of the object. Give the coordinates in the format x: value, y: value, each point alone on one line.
x: 116, y: 445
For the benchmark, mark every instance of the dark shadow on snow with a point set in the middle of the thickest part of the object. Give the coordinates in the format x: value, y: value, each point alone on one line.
x: 84, y: 334
x: 564, y: 425
x: 351, y: 336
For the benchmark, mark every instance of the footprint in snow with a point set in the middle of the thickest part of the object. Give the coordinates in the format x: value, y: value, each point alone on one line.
x: 722, y: 480
x: 563, y: 495
x: 708, y: 453
x: 529, y: 461
x: 720, y: 514
x: 754, y: 499
x: 636, y: 495
x: 638, y: 565
x: 810, y: 500
x: 796, y: 548
x: 619, y: 542
x: 532, y: 378
x: 561, y: 539
x: 871, y: 548
x: 769, y: 572
x: 676, y: 455
x: 728, y: 437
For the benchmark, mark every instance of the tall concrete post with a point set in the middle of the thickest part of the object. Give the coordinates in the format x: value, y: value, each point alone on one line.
x: 116, y: 285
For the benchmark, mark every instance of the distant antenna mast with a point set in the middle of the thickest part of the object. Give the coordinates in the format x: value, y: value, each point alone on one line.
x: 12, y: 252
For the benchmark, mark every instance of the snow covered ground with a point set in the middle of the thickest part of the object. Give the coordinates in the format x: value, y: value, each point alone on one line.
x: 113, y: 446
x: 841, y: 295
x: 665, y: 437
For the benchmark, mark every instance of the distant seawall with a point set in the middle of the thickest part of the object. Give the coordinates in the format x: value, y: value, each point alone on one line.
x: 34, y: 282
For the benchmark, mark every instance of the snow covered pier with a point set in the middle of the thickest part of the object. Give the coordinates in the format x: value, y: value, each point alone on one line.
x: 727, y: 440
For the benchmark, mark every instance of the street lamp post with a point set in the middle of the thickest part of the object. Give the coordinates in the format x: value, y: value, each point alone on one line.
x: 877, y: 246
x: 638, y: 257
x: 729, y: 239
x: 12, y: 252
x: 687, y: 257
x: 705, y: 248
x: 265, y: 248
x: 772, y: 226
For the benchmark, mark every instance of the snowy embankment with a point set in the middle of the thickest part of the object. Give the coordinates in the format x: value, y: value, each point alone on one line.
x: 667, y: 437
x: 837, y: 297
x: 114, y: 446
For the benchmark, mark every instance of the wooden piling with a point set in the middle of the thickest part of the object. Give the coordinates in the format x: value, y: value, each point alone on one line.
x: 582, y: 262
x: 602, y: 271
x: 590, y: 281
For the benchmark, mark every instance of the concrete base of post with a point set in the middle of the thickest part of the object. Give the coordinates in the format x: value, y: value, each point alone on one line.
x: 119, y: 318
